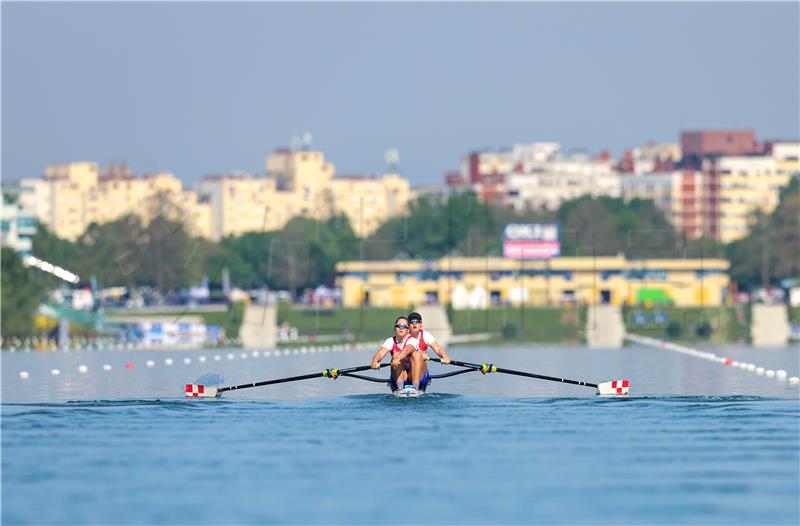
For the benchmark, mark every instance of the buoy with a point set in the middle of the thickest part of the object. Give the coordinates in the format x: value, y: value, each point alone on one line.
x: 266, y: 354
x: 243, y: 355
x: 150, y: 363
x: 187, y: 361
x: 770, y: 373
x: 760, y: 371
x: 83, y: 369
x: 230, y: 356
x: 751, y: 367
x: 202, y: 359
x: 217, y: 357
x: 106, y: 367
x: 794, y: 380
x: 168, y: 361
x: 287, y: 352
x: 256, y: 354
x: 23, y: 375
x: 129, y: 365
x: 780, y: 374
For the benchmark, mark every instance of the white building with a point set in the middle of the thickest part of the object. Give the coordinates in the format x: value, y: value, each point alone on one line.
x: 17, y: 226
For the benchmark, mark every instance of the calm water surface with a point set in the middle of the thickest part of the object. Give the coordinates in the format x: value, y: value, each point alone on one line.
x: 697, y: 443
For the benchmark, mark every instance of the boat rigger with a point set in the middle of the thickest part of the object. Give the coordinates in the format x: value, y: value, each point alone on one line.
x: 614, y: 388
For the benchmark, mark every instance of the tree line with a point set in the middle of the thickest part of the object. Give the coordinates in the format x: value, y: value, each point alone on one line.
x: 304, y: 253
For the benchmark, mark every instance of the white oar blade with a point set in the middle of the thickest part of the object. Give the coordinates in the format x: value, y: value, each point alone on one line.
x: 201, y: 391
x: 614, y: 388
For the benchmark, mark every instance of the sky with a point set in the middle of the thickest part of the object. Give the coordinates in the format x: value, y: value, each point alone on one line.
x: 209, y: 88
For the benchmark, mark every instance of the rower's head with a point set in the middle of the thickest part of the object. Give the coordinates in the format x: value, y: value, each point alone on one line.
x: 401, y: 326
x: 415, y: 322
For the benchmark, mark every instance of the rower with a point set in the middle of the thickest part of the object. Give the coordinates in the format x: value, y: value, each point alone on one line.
x: 425, y: 340
x: 404, y: 357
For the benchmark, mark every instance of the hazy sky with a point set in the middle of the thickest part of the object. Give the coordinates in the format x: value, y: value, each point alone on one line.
x: 203, y: 88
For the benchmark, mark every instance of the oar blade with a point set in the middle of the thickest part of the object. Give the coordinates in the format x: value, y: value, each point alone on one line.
x: 614, y: 388
x: 201, y: 391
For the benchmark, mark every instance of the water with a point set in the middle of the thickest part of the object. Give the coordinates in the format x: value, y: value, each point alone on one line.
x: 697, y: 443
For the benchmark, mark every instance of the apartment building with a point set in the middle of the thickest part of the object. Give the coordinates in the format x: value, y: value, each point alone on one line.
x: 724, y: 178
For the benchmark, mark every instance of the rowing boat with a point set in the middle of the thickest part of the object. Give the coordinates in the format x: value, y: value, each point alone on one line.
x: 609, y: 388
x: 408, y: 392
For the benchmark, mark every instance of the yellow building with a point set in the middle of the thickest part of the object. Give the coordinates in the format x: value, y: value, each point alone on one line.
x: 747, y: 184
x: 481, y: 282
x: 297, y: 183
x: 312, y: 189
x: 240, y: 203
x: 79, y: 197
x: 70, y: 186
x: 368, y: 202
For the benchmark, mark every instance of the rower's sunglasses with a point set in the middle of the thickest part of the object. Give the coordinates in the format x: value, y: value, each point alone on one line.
x: 400, y: 326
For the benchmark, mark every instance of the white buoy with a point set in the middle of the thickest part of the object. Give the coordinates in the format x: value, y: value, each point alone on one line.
x: 287, y: 352
x: 243, y: 355
x: 168, y: 361
x: 760, y: 371
x: 256, y: 354
x: 23, y: 375
x: 83, y: 369
x: 780, y: 374
x: 735, y: 364
x: 202, y: 359
x: 742, y: 365
x: 187, y: 361
x: 794, y: 380
x: 55, y: 372
x: 230, y: 356
x: 770, y: 373
x: 304, y: 350
x: 296, y: 352
x: 217, y: 357
x: 266, y: 354
x: 106, y: 367
x: 751, y: 367
x: 150, y: 363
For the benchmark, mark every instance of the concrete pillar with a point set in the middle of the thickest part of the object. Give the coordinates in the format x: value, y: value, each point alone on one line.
x: 260, y: 326
x: 436, y: 322
x: 769, y: 325
x: 605, y: 327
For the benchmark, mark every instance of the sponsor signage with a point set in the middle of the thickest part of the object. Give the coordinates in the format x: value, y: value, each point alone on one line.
x: 531, y: 240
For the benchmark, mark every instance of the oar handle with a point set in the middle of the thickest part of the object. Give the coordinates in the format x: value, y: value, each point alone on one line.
x: 327, y: 373
x: 491, y: 368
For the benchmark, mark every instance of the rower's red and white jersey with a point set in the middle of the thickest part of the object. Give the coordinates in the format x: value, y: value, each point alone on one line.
x: 425, y: 340
x: 395, y: 347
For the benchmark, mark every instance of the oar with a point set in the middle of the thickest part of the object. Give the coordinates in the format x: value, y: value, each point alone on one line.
x: 610, y: 388
x: 202, y: 391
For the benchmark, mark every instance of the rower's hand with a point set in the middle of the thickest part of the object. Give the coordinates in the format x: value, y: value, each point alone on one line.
x: 445, y: 360
x: 395, y: 362
x: 375, y: 365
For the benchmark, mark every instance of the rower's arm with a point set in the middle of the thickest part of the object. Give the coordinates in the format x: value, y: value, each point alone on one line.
x: 407, y: 350
x: 379, y: 356
x: 438, y: 349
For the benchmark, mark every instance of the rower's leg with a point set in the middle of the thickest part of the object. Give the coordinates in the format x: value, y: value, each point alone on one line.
x: 398, y: 376
x: 418, y: 368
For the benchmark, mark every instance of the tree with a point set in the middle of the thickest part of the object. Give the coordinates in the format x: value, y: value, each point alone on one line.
x: 771, y: 251
x: 21, y: 294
